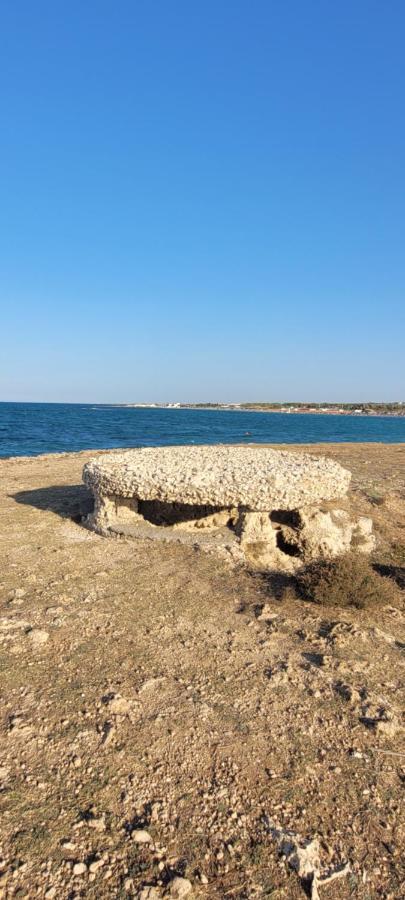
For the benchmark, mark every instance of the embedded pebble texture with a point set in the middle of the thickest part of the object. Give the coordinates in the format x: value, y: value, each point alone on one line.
x: 254, y: 478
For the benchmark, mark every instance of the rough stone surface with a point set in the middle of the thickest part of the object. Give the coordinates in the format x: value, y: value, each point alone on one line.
x: 328, y: 534
x: 79, y: 868
x: 37, y: 636
x: 251, y: 504
x: 141, y: 837
x: 179, y: 888
x: 149, y: 892
x: 254, y: 478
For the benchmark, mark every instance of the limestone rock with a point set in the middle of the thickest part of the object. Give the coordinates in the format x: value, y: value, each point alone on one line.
x: 79, y: 868
x: 141, y: 837
x: 118, y: 705
x: 329, y: 534
x: 257, y: 505
x: 179, y: 888
x: 363, y: 538
x: 149, y: 892
x: 37, y: 636
x: 255, y: 478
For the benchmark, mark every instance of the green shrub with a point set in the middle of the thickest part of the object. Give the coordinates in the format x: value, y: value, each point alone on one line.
x: 348, y: 580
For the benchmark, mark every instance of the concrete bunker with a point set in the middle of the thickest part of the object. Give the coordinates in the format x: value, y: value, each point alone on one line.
x: 267, y: 505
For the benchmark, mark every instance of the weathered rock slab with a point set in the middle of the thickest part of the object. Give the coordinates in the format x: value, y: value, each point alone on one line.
x: 258, y: 504
x: 255, y: 478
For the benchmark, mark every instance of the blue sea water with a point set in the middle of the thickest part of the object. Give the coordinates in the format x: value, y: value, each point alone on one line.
x: 27, y: 429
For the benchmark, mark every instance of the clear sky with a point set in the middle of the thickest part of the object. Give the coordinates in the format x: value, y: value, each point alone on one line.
x: 202, y: 199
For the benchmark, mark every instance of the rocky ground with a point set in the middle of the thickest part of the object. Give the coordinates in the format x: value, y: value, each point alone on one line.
x: 173, y: 727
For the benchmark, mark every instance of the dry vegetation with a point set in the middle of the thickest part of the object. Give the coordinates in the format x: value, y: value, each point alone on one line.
x: 145, y: 687
x: 348, y: 580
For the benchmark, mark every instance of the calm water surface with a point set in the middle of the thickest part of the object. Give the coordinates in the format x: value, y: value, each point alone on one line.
x: 27, y: 429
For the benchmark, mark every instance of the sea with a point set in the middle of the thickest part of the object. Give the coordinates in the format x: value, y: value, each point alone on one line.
x: 29, y: 429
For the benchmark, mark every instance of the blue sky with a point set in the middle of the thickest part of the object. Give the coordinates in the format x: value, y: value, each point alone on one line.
x: 202, y: 200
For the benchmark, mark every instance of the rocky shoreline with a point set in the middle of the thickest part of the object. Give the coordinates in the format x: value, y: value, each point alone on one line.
x: 173, y: 727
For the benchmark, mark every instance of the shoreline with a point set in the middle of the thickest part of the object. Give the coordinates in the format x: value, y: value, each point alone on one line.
x: 295, y: 447
x: 261, y: 409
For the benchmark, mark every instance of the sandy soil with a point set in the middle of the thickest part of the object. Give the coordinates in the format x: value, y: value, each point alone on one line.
x: 148, y: 687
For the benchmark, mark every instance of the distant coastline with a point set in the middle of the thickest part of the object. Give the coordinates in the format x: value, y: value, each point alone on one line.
x: 341, y: 409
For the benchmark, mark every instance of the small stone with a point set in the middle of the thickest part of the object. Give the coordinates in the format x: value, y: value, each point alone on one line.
x: 108, y: 733
x: 17, y: 594
x: 267, y: 614
x: 149, y: 892
x: 141, y: 837
x: 51, y: 892
x: 38, y: 636
x: 79, y: 868
x: 203, y: 878
x: 68, y: 845
x: 97, y: 824
x: 388, y: 727
x: 179, y: 888
x: 119, y: 706
x: 96, y: 865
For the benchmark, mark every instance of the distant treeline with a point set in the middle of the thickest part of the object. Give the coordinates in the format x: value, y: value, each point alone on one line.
x: 371, y: 408
x: 365, y: 407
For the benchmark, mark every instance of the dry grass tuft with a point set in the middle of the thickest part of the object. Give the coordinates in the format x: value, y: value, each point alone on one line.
x: 348, y: 580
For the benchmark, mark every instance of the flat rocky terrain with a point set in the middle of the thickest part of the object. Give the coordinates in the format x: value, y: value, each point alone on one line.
x: 174, y: 727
